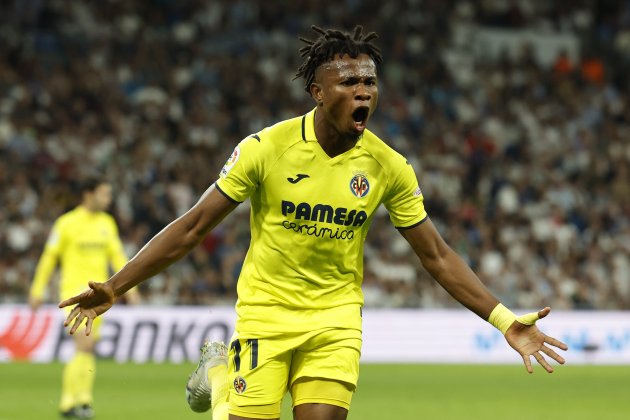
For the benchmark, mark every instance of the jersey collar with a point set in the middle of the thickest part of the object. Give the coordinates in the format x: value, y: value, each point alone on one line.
x: 308, y: 128
x: 82, y: 209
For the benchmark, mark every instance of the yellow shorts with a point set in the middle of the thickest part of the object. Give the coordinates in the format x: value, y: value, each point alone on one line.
x: 320, y: 366
x: 96, y: 324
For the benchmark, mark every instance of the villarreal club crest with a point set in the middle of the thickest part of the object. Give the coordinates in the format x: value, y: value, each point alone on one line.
x: 239, y: 384
x: 359, y: 185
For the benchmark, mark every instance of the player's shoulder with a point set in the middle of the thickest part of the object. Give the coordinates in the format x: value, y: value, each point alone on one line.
x: 68, y: 217
x: 280, y: 134
x: 67, y: 222
x: 384, y: 154
x: 103, y: 215
x: 283, y: 130
x: 106, y: 220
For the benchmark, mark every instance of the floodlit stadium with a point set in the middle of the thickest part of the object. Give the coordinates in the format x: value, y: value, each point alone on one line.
x: 513, y: 115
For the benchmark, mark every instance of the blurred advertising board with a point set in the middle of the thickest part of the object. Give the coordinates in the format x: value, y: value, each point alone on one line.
x: 174, y: 334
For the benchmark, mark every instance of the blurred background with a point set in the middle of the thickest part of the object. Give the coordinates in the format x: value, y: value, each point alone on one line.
x: 515, y: 115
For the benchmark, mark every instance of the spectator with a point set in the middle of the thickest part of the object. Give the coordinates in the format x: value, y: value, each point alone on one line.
x: 135, y: 89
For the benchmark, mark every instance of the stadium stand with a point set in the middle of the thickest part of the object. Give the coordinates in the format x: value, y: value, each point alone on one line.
x: 522, y: 148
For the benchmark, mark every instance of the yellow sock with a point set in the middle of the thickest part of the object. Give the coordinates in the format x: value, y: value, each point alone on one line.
x: 85, y: 379
x: 69, y: 384
x: 220, y: 394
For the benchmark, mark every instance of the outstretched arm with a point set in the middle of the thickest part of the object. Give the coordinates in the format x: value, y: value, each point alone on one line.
x: 454, y: 275
x: 46, y: 265
x: 168, y: 246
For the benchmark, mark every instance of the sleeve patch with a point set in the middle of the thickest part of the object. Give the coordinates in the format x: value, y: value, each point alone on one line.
x: 53, y: 238
x: 236, y: 154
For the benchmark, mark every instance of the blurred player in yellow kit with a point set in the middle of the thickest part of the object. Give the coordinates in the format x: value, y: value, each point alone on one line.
x: 314, y: 182
x: 86, y: 244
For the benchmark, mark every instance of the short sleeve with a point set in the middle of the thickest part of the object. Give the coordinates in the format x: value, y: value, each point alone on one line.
x: 242, y: 173
x: 55, y: 241
x: 404, y: 200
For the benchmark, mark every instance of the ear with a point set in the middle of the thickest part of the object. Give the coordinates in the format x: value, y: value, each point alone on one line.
x: 317, y: 93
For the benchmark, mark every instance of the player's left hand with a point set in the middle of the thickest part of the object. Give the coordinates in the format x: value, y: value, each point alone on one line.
x: 89, y: 304
x: 528, y: 341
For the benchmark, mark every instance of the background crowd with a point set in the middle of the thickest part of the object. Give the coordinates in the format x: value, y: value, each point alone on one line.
x: 524, y: 161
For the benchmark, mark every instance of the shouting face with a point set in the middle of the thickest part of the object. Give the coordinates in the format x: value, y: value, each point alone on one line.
x: 346, y: 93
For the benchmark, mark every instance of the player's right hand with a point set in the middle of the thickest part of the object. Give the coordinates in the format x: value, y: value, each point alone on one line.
x: 89, y: 304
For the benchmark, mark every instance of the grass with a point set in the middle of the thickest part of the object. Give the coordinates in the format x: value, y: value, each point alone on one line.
x: 444, y: 392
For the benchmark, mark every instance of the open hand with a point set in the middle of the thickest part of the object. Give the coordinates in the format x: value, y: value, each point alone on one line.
x: 528, y: 341
x: 89, y: 304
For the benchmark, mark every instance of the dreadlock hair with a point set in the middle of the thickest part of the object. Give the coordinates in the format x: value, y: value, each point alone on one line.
x: 330, y: 43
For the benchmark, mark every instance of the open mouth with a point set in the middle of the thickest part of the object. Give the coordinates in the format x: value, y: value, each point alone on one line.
x: 360, y: 114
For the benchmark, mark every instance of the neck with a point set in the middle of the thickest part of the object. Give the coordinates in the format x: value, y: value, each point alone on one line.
x: 88, y: 207
x: 330, y: 139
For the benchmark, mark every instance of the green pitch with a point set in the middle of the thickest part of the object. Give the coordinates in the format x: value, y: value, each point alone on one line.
x: 413, y: 392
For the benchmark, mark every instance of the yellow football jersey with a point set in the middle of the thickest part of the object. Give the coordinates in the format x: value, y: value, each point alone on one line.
x: 310, y: 214
x: 85, y: 243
